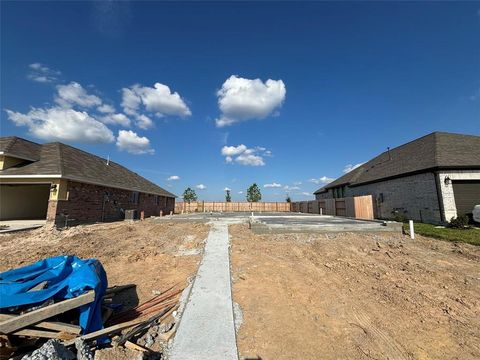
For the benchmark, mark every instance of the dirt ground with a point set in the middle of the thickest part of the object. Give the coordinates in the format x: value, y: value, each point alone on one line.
x: 355, y: 296
x: 154, y: 256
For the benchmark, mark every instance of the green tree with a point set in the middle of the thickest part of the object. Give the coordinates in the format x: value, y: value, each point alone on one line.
x: 288, y: 199
x: 228, y: 198
x: 254, y: 194
x: 189, y: 195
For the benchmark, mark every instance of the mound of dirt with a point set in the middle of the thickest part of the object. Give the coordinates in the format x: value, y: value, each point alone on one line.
x: 355, y: 296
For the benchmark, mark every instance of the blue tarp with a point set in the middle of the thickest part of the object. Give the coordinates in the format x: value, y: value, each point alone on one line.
x: 67, y: 277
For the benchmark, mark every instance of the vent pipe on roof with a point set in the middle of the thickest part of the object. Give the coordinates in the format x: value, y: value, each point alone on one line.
x: 108, y: 160
x: 389, y: 155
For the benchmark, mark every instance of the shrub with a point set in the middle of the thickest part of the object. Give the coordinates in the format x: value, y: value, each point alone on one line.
x: 460, y: 222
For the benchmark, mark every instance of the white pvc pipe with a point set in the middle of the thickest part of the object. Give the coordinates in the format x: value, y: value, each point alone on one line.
x: 412, y: 231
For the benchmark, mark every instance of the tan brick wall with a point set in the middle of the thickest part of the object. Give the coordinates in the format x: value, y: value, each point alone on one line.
x: 93, y: 203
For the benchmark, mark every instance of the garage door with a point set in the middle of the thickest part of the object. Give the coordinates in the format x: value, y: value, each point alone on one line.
x: 24, y: 201
x: 467, y: 195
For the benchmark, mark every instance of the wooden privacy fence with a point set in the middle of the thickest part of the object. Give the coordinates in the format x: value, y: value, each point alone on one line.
x: 359, y: 207
x: 207, y: 206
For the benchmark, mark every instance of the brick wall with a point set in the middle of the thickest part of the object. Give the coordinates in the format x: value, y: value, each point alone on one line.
x: 93, y: 203
x: 448, y: 197
x: 413, y: 196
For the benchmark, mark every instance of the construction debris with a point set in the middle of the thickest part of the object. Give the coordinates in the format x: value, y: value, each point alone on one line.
x: 44, y: 323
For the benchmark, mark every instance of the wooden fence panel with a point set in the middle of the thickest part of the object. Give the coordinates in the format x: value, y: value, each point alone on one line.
x: 221, y: 206
x: 340, y: 207
x: 364, y: 207
x: 360, y: 207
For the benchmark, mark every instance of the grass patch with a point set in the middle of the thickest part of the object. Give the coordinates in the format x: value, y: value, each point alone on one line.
x: 470, y: 236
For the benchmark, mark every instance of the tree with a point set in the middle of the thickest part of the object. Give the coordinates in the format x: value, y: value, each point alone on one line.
x: 189, y: 195
x: 228, y: 198
x: 288, y: 199
x: 254, y: 194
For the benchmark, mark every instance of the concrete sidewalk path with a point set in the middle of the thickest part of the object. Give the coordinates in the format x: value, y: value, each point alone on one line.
x: 207, y: 329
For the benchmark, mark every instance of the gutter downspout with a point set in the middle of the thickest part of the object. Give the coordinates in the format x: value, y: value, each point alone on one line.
x: 439, y: 197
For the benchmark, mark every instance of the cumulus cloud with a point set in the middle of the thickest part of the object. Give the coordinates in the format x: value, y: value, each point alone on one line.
x: 74, y: 94
x: 289, y: 188
x: 227, y: 189
x: 143, y: 121
x: 115, y: 119
x: 62, y: 124
x: 322, y: 180
x: 243, y: 155
x: 240, y: 192
x: 272, y: 185
x: 233, y: 150
x: 106, y: 109
x: 41, y: 73
x: 242, y: 99
x: 351, y: 167
x: 173, y: 177
x: 159, y: 101
x: 201, y: 187
x: 130, y: 142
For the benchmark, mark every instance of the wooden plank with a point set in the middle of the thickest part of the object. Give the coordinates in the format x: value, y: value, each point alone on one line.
x: 44, y: 334
x: 107, y: 331
x: 36, y: 316
x: 51, y: 325
x: 132, y: 346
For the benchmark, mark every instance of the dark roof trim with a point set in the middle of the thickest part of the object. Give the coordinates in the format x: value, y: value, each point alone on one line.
x: 433, y: 169
x: 79, y: 180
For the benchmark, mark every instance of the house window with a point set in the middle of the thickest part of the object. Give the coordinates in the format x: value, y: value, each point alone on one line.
x: 135, y: 197
x: 157, y: 200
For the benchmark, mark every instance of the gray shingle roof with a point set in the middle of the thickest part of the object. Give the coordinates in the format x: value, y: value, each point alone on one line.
x: 19, y: 148
x: 74, y: 164
x: 438, y: 150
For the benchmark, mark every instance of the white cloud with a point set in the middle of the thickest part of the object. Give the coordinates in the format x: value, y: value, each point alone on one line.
x: 129, y: 141
x: 201, y: 187
x: 351, y: 167
x: 296, y: 183
x: 115, y: 119
x: 272, y: 185
x: 242, y: 99
x: 304, y: 194
x: 74, y: 94
x: 106, y: 109
x: 42, y: 73
x: 245, y: 156
x: 250, y: 160
x: 233, y: 150
x: 240, y: 192
x: 173, y: 177
x: 286, y: 187
x: 227, y: 189
x: 143, y: 121
x: 322, y: 180
x: 62, y: 124
x: 158, y: 100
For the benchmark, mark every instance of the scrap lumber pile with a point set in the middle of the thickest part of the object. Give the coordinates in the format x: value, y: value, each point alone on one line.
x: 56, y: 327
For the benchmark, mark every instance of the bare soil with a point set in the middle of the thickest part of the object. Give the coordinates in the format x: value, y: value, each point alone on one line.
x: 152, y: 255
x: 355, y: 296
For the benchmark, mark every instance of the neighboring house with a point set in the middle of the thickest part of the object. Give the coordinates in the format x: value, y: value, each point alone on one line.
x: 55, y: 181
x: 430, y: 179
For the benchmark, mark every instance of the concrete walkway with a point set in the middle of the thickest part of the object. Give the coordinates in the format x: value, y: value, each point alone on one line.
x: 206, y: 329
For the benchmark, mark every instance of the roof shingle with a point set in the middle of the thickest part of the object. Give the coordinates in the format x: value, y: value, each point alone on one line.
x: 74, y: 164
x: 438, y: 150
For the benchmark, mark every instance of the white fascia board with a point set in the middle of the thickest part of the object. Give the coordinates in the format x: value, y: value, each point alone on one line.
x: 29, y: 176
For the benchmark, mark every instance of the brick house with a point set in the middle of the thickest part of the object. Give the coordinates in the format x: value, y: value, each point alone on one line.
x: 57, y: 182
x: 430, y: 179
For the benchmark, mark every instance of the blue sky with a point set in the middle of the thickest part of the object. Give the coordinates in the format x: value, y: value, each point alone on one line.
x: 226, y: 94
